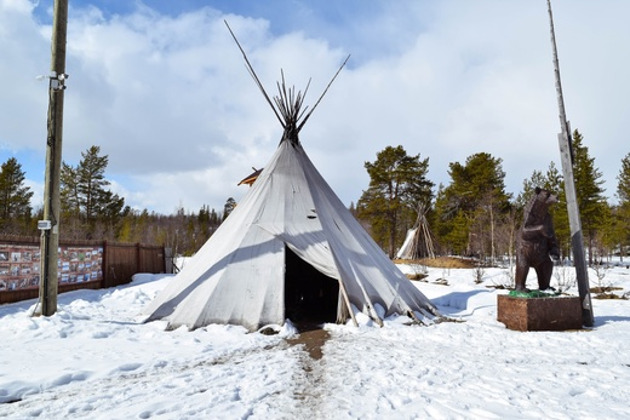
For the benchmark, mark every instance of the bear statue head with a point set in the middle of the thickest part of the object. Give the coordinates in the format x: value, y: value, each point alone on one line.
x: 545, y: 196
x: 538, y: 206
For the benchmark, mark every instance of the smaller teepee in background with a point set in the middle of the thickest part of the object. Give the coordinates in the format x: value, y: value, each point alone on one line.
x: 419, y: 242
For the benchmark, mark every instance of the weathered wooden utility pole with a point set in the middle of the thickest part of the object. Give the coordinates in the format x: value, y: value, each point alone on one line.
x: 50, y: 225
x: 566, y: 155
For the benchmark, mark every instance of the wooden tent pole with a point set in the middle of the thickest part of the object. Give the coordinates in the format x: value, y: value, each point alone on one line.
x: 344, y: 294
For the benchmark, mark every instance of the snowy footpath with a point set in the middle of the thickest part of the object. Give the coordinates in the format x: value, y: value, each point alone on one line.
x: 94, y: 359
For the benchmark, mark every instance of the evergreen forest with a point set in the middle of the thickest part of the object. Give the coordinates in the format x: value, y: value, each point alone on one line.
x: 472, y: 215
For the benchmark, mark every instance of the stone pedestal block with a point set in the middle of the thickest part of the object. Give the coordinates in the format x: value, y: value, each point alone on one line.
x: 539, y: 314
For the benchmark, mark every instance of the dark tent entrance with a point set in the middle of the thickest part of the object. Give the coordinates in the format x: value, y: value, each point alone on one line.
x: 310, y: 297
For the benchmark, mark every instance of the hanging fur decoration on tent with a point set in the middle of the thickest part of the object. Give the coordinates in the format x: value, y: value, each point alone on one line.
x: 289, y: 250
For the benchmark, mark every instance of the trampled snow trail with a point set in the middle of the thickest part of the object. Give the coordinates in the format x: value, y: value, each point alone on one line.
x: 95, y: 360
x: 106, y: 364
x: 276, y: 381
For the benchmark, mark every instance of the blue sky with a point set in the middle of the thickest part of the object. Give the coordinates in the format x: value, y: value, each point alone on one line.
x: 162, y: 89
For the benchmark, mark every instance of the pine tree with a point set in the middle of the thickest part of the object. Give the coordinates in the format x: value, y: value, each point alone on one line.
x: 91, y: 182
x: 398, y: 184
x: 85, y: 195
x: 623, y: 187
x: 203, y: 219
x: 458, y: 237
x: 609, y: 233
x: 623, y: 210
x: 228, y: 207
x: 472, y: 206
x: 559, y: 212
x: 589, y: 192
x: 69, y: 192
x: 537, y: 179
x: 15, y: 197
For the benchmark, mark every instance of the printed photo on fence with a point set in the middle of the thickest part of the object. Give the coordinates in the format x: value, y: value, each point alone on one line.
x: 20, y: 265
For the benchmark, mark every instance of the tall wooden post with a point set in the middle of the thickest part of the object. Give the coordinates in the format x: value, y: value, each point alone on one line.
x: 50, y: 225
x: 566, y: 155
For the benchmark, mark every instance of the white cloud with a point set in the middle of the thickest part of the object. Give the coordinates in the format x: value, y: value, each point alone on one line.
x: 169, y: 100
x: 25, y: 55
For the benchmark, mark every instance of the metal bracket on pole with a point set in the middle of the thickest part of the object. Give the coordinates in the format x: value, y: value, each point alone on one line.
x: 58, y: 81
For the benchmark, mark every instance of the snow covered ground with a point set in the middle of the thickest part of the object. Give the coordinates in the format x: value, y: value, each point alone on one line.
x: 94, y: 359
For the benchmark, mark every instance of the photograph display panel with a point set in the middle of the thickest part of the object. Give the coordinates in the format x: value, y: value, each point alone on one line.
x: 20, y: 265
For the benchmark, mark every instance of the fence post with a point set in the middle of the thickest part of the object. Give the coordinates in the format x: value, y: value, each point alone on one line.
x: 138, y: 258
x: 104, y: 268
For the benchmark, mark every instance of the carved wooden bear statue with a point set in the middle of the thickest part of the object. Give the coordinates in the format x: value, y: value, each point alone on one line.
x: 536, y: 241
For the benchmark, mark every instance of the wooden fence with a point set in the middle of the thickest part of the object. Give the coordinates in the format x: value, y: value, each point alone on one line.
x: 82, y: 265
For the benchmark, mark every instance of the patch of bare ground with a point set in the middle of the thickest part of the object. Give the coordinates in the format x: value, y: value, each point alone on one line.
x: 312, y: 340
x: 313, y: 378
x: 442, y: 262
x: 604, y: 289
x: 607, y: 293
x: 416, y: 276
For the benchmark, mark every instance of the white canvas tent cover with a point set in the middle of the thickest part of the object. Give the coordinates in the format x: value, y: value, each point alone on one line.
x: 241, y: 275
x: 407, y: 250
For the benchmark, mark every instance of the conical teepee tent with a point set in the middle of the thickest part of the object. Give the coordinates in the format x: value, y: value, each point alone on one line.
x: 290, y: 249
x: 419, y: 241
